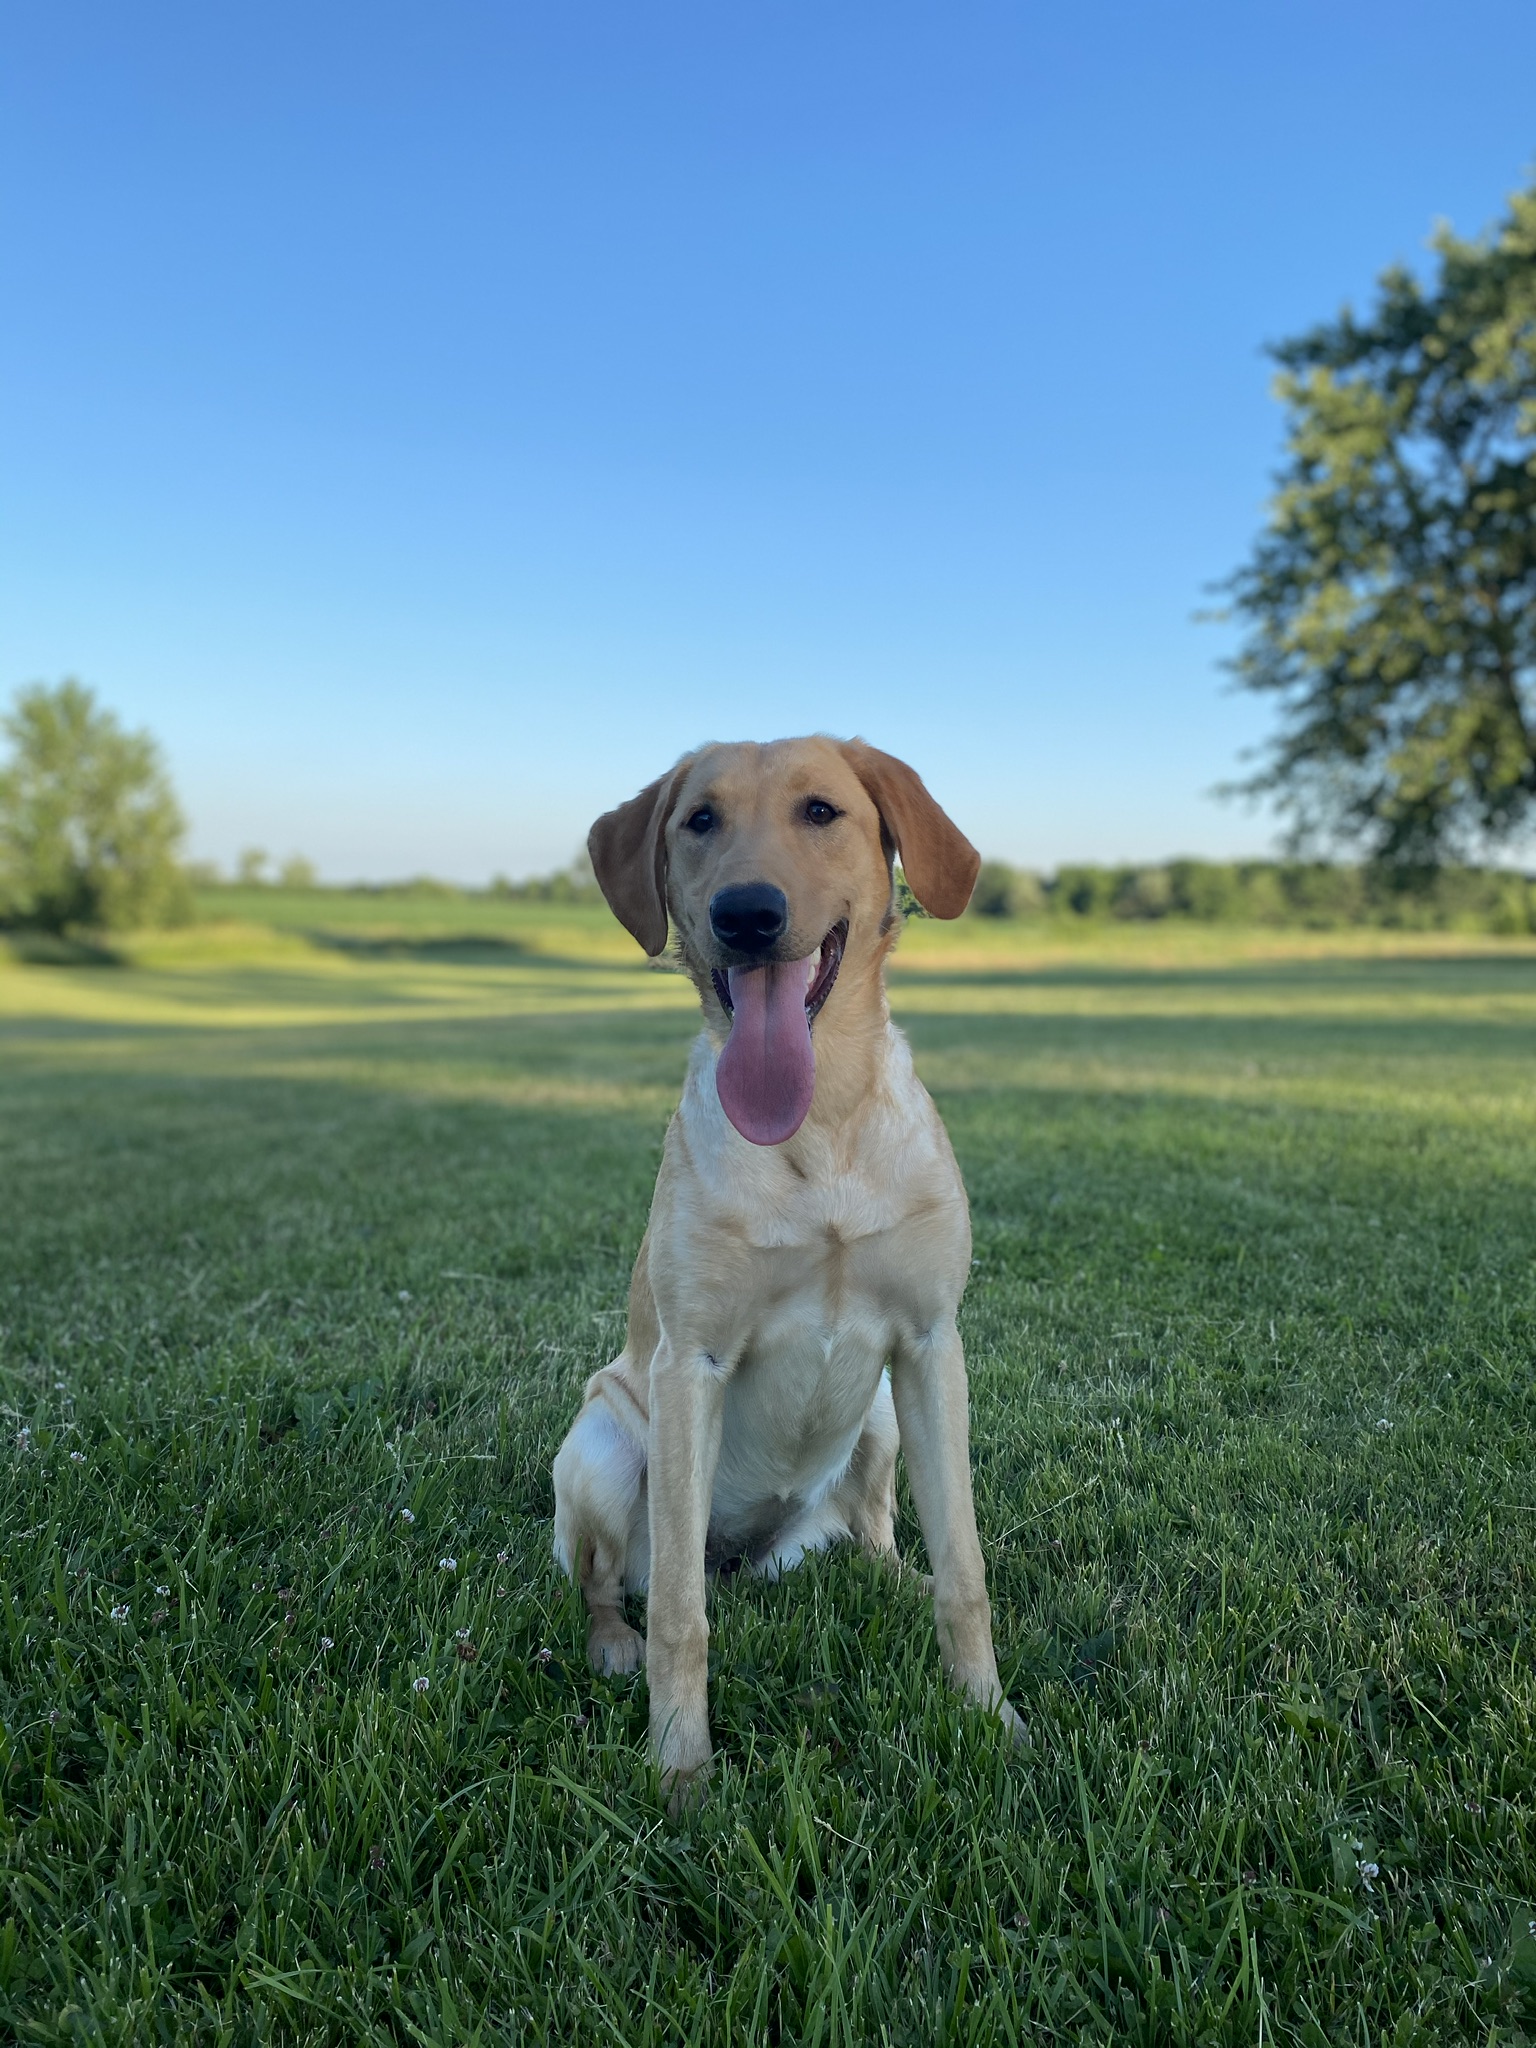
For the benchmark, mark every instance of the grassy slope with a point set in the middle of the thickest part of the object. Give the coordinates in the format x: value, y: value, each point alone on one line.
x: 298, y: 1233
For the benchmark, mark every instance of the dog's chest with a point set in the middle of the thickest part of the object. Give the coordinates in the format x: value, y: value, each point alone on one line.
x: 798, y: 1397
x: 827, y: 1310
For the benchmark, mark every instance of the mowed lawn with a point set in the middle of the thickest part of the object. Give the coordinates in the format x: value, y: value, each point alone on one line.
x: 308, y: 1239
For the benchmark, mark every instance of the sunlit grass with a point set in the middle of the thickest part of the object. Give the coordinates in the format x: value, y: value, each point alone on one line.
x: 308, y: 1238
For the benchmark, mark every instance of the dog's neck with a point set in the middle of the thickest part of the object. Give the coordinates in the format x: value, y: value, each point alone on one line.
x: 852, y: 1047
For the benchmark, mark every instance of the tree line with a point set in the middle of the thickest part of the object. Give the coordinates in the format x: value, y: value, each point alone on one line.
x: 1319, y: 894
x: 1315, y: 894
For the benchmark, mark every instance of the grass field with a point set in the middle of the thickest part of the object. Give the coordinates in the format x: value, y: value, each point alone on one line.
x: 311, y: 1226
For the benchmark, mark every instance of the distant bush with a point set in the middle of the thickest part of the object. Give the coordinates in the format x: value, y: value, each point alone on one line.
x: 1082, y: 891
x: 415, y: 886
x: 575, y: 884
x: 1002, y: 891
x: 251, y: 872
x: 1319, y: 895
x: 1143, y: 892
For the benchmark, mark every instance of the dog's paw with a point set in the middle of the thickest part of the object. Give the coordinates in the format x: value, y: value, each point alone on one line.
x: 615, y: 1649
x: 684, y: 1787
x: 1014, y: 1722
x: 684, y: 1754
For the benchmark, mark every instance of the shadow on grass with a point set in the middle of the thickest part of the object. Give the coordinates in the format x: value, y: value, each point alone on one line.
x: 470, y: 949
x: 989, y: 1048
x: 458, y: 949
x: 56, y: 949
x: 1464, y: 972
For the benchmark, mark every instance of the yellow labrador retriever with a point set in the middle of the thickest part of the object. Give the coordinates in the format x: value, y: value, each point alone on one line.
x: 792, y: 1311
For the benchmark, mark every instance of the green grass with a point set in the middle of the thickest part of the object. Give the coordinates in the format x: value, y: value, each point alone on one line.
x: 304, y: 1227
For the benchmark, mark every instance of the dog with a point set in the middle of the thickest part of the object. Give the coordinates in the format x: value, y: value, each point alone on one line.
x: 792, y: 1312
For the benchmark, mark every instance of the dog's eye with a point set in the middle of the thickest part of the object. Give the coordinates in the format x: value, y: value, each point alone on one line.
x: 820, y: 812
x: 702, y: 821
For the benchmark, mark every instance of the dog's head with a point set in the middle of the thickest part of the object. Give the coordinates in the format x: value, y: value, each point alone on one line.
x: 773, y: 863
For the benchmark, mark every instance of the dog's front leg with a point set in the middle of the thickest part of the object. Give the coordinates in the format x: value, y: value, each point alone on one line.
x: 932, y: 1412
x: 687, y: 1398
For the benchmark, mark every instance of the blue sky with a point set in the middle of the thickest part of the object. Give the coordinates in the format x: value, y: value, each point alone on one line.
x: 432, y: 420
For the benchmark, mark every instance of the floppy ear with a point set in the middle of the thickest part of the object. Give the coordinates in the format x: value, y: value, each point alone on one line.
x: 629, y: 859
x: 937, y: 859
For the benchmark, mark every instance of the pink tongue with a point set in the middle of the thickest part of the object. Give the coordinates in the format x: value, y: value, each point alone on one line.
x: 767, y: 1073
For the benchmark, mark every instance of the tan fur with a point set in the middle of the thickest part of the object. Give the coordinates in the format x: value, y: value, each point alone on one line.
x: 792, y: 1304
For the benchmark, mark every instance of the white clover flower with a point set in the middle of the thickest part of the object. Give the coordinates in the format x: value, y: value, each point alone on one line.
x: 406, y: 1515
x: 1384, y: 1424
x: 447, y: 1564
x: 23, y: 1438
x: 327, y: 1642
x: 461, y: 1635
x: 77, y: 1457
x: 501, y: 1557
x: 1370, y: 1870
x: 405, y: 1294
x: 121, y: 1612
x: 420, y: 1684
x: 162, y: 1591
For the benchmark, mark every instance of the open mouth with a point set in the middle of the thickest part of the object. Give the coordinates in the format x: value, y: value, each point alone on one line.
x: 821, y: 982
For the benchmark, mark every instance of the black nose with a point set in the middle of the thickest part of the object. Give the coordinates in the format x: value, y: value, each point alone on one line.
x: 750, y: 918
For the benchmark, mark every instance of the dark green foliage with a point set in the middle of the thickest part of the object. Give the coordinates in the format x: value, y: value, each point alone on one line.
x: 1391, y: 603
x: 1083, y: 891
x: 1250, y: 1328
x: 1310, y: 894
x: 89, y: 827
x: 574, y: 884
x: 1002, y: 891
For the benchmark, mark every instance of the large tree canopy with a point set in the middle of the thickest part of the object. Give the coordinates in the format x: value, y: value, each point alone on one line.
x: 1391, y: 602
x: 89, y: 827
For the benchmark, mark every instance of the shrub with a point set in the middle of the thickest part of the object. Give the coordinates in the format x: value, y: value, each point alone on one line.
x: 1002, y: 891
x: 1143, y: 893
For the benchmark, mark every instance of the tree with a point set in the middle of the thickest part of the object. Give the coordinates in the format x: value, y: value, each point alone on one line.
x: 89, y: 826
x: 1004, y: 891
x: 1392, y: 600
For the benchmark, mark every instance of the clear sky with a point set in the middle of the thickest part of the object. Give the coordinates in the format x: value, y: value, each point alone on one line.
x: 432, y: 419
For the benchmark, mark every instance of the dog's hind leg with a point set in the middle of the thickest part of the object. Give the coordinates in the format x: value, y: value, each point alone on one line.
x: 862, y: 1505
x: 600, y: 1515
x: 865, y: 1496
x: 814, y: 1529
